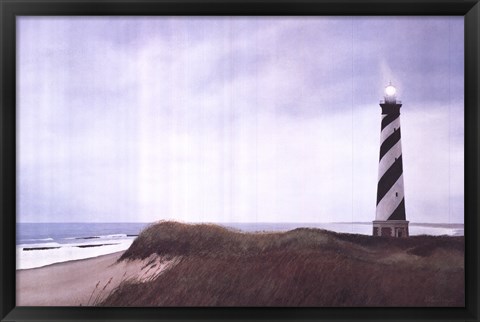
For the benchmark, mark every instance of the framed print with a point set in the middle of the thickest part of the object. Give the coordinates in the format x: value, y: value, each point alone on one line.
x: 242, y: 160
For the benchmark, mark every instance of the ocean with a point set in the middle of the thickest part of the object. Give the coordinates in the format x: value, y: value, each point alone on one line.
x: 41, y: 244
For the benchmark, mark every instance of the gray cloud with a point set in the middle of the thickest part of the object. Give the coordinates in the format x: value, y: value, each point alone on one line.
x: 235, y: 119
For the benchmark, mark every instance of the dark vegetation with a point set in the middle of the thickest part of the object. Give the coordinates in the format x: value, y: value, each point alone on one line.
x: 302, y: 267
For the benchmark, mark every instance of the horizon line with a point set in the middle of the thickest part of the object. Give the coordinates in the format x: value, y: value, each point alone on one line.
x: 227, y: 222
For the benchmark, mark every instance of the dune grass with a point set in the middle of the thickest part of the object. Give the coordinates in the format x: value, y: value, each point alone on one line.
x: 302, y: 267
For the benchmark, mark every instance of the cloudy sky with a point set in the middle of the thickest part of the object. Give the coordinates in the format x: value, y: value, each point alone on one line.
x: 234, y: 119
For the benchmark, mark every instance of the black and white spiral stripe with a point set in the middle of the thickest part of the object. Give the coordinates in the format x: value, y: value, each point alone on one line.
x: 390, y: 191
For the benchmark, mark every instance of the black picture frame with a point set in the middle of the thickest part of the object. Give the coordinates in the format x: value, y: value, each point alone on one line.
x: 9, y: 9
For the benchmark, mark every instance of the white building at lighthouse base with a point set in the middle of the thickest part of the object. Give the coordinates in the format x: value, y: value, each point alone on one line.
x: 392, y: 228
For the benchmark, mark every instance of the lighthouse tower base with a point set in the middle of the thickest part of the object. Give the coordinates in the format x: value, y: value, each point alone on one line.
x: 392, y: 228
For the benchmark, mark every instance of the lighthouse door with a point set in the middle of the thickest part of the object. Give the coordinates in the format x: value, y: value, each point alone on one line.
x: 399, y: 232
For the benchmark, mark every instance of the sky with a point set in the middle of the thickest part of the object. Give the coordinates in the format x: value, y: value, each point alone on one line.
x: 234, y: 119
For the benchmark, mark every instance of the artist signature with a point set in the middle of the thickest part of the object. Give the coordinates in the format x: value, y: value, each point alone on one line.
x: 436, y: 300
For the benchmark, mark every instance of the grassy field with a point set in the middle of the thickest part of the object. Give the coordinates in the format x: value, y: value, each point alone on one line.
x: 302, y: 267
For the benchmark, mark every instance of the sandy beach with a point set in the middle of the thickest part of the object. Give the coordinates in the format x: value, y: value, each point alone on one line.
x: 82, y: 282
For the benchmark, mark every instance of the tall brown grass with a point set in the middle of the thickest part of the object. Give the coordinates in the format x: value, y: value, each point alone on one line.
x: 302, y: 267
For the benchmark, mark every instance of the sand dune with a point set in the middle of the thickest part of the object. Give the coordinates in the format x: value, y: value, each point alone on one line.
x: 301, y: 267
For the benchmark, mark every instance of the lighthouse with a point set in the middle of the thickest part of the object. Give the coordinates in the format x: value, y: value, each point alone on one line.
x: 390, y: 218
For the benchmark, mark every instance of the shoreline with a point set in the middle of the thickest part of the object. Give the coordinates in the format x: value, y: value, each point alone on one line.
x: 119, y: 253
x: 38, y: 255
